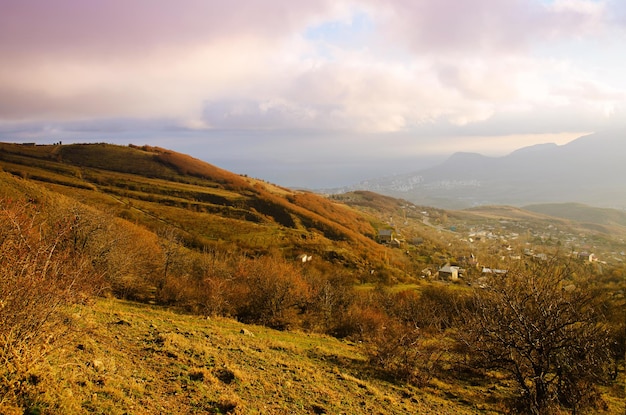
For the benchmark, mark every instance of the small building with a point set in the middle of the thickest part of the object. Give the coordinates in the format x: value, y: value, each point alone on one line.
x: 304, y: 258
x: 494, y: 271
x: 385, y: 236
x: 396, y: 243
x: 586, y: 256
x: 417, y: 241
x: 449, y: 272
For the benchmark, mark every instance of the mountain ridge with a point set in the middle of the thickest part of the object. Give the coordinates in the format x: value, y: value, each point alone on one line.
x: 587, y: 170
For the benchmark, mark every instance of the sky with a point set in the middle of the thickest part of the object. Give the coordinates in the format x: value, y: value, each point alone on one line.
x: 316, y: 93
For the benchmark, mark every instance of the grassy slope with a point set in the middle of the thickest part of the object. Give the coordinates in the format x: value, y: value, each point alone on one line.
x: 609, y: 222
x: 505, y: 212
x: 582, y: 213
x: 144, y: 360
x: 157, y: 187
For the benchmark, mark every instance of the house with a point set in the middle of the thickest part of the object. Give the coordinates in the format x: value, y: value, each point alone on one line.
x: 396, y: 243
x: 586, y: 256
x: 449, y: 272
x: 385, y: 236
x: 417, y: 241
x: 494, y: 271
x: 304, y: 258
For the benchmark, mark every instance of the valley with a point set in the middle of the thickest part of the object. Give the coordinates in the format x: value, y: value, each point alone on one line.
x: 173, y: 285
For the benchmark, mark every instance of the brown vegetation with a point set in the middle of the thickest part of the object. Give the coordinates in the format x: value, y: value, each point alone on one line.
x: 172, y: 252
x: 42, y: 271
x: 552, y: 341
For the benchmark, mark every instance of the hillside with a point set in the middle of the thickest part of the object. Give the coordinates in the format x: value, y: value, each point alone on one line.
x: 229, y: 318
x: 207, y: 207
x: 610, y: 218
x: 145, y: 360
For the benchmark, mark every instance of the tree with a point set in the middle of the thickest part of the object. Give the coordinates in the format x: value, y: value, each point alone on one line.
x: 548, y: 336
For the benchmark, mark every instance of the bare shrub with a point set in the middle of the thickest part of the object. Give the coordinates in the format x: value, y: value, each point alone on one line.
x: 394, y: 342
x: 268, y: 291
x: 214, y: 276
x: 40, y: 274
x: 403, y: 353
x: 361, y: 320
x: 179, y: 290
x: 552, y: 342
x: 131, y: 262
x: 331, y: 295
x: 440, y: 307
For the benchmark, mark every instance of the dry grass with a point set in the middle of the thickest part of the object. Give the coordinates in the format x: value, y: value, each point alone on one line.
x: 160, y: 188
x: 143, y: 360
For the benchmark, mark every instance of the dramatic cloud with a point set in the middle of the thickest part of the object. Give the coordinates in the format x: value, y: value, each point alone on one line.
x: 422, y: 73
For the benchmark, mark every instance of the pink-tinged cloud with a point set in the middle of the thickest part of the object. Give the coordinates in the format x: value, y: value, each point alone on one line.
x: 91, y: 29
x: 249, y: 64
x: 449, y: 26
x: 481, y: 27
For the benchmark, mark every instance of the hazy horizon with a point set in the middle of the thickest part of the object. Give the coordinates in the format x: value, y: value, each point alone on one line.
x: 316, y: 94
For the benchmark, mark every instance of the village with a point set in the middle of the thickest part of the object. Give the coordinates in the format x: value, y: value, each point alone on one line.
x: 479, y: 247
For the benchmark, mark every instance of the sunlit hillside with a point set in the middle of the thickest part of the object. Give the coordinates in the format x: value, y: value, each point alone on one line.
x: 140, y: 280
x: 205, y: 205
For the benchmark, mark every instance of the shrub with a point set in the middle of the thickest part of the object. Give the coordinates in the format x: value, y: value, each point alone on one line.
x: 402, y: 352
x: 331, y: 295
x: 552, y: 342
x: 268, y: 291
x: 40, y: 274
x: 439, y: 307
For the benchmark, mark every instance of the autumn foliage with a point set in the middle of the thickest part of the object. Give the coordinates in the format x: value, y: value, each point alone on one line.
x: 42, y: 270
x: 557, y: 345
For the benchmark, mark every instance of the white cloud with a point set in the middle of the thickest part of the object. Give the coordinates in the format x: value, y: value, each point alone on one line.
x: 355, y: 66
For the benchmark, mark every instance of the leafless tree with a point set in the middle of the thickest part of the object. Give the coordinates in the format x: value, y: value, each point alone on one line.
x: 543, y: 329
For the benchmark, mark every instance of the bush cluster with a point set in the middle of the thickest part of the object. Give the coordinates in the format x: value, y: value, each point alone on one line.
x: 556, y: 344
x: 552, y: 342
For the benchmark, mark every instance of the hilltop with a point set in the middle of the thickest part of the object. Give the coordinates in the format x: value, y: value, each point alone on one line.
x: 207, y: 207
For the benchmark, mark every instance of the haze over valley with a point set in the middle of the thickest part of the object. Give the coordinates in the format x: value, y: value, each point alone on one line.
x: 588, y: 170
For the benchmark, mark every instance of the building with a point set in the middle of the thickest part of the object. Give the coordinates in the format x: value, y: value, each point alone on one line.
x: 449, y: 272
x: 385, y: 236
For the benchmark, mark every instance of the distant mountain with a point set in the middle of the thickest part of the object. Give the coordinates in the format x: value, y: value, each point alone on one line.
x: 590, y: 170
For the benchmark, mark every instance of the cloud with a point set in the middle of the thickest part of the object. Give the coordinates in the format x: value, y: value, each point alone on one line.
x: 450, y: 27
x: 485, y: 27
x: 121, y: 28
x: 354, y: 66
x: 139, y: 58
